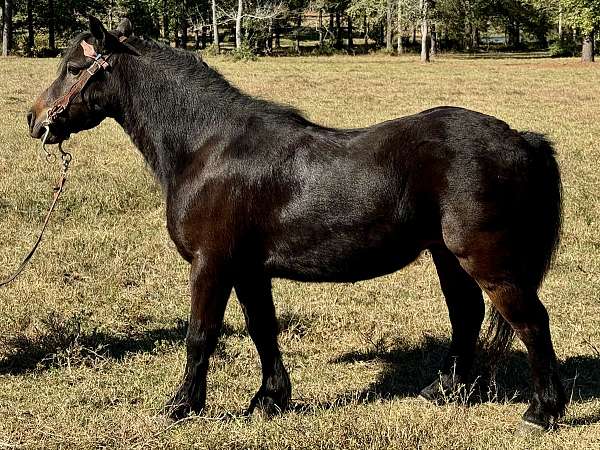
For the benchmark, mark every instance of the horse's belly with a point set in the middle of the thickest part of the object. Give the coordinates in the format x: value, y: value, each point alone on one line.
x: 341, y: 257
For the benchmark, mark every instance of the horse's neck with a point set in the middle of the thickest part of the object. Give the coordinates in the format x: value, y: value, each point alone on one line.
x: 167, y: 117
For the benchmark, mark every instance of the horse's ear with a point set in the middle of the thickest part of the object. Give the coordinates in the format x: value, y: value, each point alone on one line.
x: 108, y: 41
x: 125, y: 28
x: 97, y: 29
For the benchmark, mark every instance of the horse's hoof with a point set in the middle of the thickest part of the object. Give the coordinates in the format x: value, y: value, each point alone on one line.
x: 179, y: 408
x: 440, y: 390
x: 527, y: 428
x: 177, y: 411
x: 536, y: 420
x: 265, y: 407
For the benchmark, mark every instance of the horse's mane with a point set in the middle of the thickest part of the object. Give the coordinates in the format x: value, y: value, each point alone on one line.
x: 197, y: 71
x: 210, y: 79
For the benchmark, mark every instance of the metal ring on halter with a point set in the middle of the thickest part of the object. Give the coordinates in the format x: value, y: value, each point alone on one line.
x: 65, y: 156
x: 50, y: 157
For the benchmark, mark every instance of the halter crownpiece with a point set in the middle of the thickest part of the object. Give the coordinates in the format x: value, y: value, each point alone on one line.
x: 90, y: 52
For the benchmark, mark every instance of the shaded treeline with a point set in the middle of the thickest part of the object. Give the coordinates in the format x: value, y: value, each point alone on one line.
x: 41, y: 27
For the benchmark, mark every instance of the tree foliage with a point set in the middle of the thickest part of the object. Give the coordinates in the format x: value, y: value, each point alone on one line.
x: 582, y: 14
x: 459, y: 24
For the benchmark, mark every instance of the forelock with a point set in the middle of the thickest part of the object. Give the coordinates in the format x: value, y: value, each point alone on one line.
x: 72, y: 49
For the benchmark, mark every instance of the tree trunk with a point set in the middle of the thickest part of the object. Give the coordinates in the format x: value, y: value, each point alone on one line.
x: 424, y: 36
x: 30, y: 30
x: 468, y: 37
x: 183, y: 26
x: 321, y: 36
x: 366, y: 27
x: 414, y: 41
x: 51, y: 26
x: 7, y: 28
x: 560, y: 22
x: 587, y: 51
x: 388, y: 26
x: 165, y: 12
x: 514, y: 34
x: 297, y: 33
x: 269, y: 42
x: 331, y: 23
x: 400, y: 30
x: 277, y: 34
x: 433, y: 47
x: 424, y: 32
x: 238, y: 24
x: 111, y: 7
x: 350, y: 41
x: 338, y: 30
x: 215, y: 26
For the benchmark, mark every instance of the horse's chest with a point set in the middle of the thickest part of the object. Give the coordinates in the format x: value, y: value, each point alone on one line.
x: 199, y: 220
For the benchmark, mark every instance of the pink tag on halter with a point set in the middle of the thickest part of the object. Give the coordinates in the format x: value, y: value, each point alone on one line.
x: 88, y: 50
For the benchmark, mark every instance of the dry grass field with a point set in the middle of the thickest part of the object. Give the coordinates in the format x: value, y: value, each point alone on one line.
x: 91, y: 335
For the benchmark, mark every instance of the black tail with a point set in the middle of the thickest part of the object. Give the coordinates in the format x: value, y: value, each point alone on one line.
x: 541, y: 221
x: 544, y: 211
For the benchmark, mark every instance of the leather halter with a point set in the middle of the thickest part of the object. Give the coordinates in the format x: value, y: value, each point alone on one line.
x: 100, y: 63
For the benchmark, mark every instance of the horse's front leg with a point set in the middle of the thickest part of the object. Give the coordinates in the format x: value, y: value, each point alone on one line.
x: 210, y: 288
x: 254, y: 293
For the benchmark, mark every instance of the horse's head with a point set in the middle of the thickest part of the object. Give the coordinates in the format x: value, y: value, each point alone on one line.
x: 79, y: 99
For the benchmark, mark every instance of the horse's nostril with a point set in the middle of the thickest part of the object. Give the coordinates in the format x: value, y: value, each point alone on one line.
x: 30, y: 118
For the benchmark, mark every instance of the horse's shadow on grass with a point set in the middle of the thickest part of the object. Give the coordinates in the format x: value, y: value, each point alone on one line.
x: 67, y: 344
x: 407, y: 369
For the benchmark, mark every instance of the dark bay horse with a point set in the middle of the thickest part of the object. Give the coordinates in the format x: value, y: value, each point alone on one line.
x: 255, y: 191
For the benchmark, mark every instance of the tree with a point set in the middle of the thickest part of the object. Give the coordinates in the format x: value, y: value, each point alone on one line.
x: 183, y: 23
x: 373, y: 14
x: 165, y: 20
x: 215, y: 25
x: 463, y: 20
x: 30, y: 29
x: 585, y: 16
x: 388, y: 26
x: 407, y: 14
x: 424, y: 30
x: 7, y: 29
x: 238, y: 24
x: 51, y: 27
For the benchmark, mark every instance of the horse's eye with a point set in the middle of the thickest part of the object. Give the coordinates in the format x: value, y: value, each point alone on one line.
x: 73, y: 70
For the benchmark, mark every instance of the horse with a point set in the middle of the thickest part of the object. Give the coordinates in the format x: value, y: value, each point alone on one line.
x: 255, y: 191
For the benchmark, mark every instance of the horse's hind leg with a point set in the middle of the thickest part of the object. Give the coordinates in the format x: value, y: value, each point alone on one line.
x: 527, y: 315
x: 254, y: 294
x: 466, y: 308
x: 498, y: 269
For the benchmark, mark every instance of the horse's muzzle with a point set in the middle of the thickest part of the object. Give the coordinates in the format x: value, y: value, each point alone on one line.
x: 36, y: 130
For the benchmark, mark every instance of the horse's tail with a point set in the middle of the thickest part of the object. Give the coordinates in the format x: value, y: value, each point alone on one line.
x: 544, y: 211
x: 541, y: 220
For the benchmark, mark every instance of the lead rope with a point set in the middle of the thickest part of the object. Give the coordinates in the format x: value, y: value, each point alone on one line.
x: 58, y: 190
x: 59, y: 106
